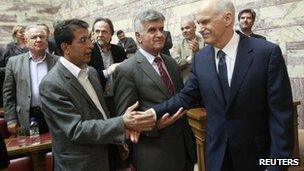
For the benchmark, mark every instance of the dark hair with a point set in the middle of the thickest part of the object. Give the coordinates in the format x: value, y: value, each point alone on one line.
x: 63, y: 31
x: 106, y: 20
x: 119, y: 32
x: 247, y: 10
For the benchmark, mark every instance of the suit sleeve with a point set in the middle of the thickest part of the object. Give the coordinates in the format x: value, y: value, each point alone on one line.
x: 280, y: 106
x: 187, y: 98
x: 125, y: 90
x: 62, y: 114
x: 9, y: 93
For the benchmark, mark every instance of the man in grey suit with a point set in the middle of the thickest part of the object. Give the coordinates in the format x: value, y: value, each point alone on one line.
x: 150, y: 77
x: 127, y: 43
x: 74, y: 106
x: 22, y: 78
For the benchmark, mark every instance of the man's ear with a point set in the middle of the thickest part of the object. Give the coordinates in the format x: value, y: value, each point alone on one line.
x: 137, y: 35
x: 65, y: 48
x: 228, y: 17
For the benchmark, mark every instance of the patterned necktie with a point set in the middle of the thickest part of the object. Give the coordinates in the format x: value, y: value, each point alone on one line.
x: 164, y: 76
x: 222, y: 74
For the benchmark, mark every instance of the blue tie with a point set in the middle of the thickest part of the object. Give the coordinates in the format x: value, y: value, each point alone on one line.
x: 222, y: 74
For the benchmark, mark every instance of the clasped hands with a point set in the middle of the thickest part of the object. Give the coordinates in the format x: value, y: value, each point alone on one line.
x: 137, y: 121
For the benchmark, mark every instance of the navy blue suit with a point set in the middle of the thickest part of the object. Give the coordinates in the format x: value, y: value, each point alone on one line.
x: 257, y: 120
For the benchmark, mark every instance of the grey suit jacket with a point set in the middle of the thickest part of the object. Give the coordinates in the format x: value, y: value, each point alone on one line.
x: 164, y: 150
x: 17, y: 87
x: 80, y: 135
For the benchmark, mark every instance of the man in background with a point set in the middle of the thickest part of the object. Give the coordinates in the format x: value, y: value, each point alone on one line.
x: 184, y: 51
x: 23, y: 75
x: 246, y: 19
x: 106, y: 57
x: 127, y: 43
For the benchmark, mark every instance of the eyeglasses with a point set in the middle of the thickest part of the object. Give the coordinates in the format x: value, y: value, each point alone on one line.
x: 84, y: 40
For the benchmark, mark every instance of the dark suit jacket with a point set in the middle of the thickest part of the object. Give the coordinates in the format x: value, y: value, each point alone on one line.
x: 129, y: 45
x: 80, y: 135
x: 257, y: 122
x: 253, y: 35
x: 168, y: 43
x: 53, y: 49
x: 96, y: 62
x: 165, y: 150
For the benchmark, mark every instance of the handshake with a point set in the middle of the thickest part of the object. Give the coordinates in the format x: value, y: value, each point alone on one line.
x: 137, y: 121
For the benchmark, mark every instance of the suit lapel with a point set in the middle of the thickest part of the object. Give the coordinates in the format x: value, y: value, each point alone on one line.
x: 98, y: 89
x: 26, y: 65
x: 209, y: 64
x: 148, y: 69
x: 243, y: 61
x: 71, y: 80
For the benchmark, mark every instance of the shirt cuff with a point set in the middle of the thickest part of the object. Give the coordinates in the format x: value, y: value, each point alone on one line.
x: 105, y: 73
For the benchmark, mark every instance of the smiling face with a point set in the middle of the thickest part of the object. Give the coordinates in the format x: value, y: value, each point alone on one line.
x: 36, y: 40
x: 152, y: 38
x: 188, y: 29
x: 79, y: 51
x: 215, y: 26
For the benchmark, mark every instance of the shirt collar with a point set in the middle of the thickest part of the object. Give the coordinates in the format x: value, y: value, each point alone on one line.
x: 149, y: 56
x: 41, y: 60
x: 231, y: 47
x: 75, y: 70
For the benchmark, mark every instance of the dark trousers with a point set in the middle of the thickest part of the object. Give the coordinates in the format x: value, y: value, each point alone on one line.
x: 227, y: 162
x: 39, y: 117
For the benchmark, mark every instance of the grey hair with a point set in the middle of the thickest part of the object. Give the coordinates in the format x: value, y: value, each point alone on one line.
x: 26, y: 31
x: 225, y: 5
x: 146, y: 16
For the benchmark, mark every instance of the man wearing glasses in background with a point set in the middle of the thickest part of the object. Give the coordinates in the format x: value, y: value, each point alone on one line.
x: 22, y: 78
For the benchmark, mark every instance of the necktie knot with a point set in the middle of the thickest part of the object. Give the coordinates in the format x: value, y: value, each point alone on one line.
x: 221, y: 55
x: 157, y: 60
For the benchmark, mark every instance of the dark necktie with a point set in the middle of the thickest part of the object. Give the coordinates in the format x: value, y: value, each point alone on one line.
x: 164, y: 76
x: 222, y: 74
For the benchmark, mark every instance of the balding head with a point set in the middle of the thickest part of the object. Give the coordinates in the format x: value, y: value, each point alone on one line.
x: 188, y: 28
x: 215, y: 19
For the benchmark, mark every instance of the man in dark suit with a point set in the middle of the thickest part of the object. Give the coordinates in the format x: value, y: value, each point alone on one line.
x: 127, y: 43
x: 244, y: 86
x: 151, y: 77
x: 246, y: 19
x: 106, y: 57
x: 75, y: 109
x: 168, y: 43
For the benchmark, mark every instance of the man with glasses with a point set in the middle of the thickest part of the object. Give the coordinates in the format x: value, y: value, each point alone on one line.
x: 22, y: 78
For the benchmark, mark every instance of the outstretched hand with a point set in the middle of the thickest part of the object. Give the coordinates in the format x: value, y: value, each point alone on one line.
x: 167, y: 120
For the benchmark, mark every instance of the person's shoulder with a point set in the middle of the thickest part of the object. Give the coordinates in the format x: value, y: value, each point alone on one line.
x: 19, y: 57
x: 116, y: 47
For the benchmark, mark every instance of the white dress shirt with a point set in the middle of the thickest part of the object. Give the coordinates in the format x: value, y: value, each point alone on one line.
x: 38, y: 69
x: 82, y: 76
x: 230, y: 51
